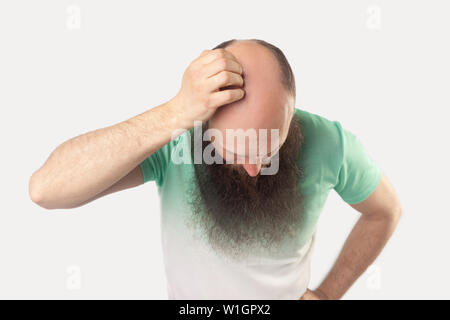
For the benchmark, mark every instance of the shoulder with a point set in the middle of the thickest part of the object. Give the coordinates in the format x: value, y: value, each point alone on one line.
x: 322, y: 148
x: 318, y: 131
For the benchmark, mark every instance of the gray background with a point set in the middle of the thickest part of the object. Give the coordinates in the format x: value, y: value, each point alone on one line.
x: 68, y: 67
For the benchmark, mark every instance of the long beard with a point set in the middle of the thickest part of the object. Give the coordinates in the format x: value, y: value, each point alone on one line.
x: 238, y: 214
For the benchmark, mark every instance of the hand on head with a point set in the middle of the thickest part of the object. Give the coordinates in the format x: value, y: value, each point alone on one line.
x: 201, y: 91
x: 213, y: 88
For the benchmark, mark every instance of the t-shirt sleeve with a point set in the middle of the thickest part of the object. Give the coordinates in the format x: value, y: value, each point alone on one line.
x: 358, y: 174
x: 154, y: 167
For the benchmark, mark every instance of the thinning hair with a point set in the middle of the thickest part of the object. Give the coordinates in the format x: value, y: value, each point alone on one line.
x: 287, y: 75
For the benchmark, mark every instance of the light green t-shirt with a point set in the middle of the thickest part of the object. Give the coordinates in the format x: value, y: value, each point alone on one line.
x: 331, y: 158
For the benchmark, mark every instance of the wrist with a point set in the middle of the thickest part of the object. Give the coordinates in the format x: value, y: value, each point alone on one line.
x: 175, y: 109
x: 321, y: 294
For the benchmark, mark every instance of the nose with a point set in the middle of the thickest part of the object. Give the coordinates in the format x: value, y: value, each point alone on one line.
x: 252, y: 169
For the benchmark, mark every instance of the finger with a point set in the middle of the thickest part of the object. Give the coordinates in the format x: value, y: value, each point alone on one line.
x: 215, y: 54
x: 224, y: 79
x: 204, y: 53
x: 200, y: 57
x: 224, y: 97
x: 222, y: 64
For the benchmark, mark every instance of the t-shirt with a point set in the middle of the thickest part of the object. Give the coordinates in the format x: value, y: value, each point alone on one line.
x: 331, y: 158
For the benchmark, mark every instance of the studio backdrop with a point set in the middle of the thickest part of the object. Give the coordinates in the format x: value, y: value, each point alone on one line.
x: 381, y: 68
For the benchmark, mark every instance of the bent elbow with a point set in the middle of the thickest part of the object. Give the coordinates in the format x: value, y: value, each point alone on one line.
x: 394, y: 215
x: 38, y: 195
x: 398, y: 213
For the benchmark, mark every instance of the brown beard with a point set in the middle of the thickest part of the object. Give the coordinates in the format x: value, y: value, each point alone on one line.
x: 239, y: 214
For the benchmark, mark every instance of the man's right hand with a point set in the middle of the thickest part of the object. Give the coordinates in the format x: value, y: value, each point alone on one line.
x: 107, y: 160
x: 212, y: 80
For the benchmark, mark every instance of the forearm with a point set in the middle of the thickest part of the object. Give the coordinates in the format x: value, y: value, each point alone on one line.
x: 86, y: 165
x: 361, y: 248
x: 81, y: 168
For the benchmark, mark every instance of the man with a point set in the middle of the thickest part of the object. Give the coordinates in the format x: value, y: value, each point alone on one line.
x: 238, y: 221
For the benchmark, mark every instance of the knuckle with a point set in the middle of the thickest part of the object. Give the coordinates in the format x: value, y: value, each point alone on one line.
x: 220, y: 79
x: 228, y: 94
x: 220, y: 52
x: 223, y: 63
x: 205, y: 53
x: 226, y: 77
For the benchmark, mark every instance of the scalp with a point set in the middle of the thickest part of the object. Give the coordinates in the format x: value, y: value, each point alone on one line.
x: 266, y: 104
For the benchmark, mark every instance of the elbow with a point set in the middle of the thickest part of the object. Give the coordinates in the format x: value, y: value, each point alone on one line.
x: 37, y: 193
x: 45, y: 198
x: 394, y: 211
x: 397, y: 214
x: 394, y: 218
x: 394, y: 215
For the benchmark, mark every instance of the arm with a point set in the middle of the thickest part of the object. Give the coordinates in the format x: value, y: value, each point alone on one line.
x: 380, y: 213
x: 87, y: 165
x: 107, y: 160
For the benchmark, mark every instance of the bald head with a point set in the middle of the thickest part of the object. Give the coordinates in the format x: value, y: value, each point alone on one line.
x: 268, y: 102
